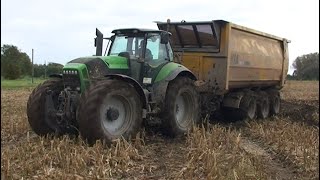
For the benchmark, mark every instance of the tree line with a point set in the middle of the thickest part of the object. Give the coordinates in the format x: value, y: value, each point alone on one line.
x: 16, y: 64
x: 306, y: 67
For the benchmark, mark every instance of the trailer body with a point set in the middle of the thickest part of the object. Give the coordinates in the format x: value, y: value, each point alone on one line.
x: 225, y: 56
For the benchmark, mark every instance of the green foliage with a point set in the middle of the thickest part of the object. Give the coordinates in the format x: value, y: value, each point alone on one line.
x: 14, y: 63
x: 306, y: 67
x: 290, y: 77
x: 54, y: 68
x: 41, y: 70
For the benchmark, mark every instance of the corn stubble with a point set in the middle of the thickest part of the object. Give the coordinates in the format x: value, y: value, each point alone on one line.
x: 286, y: 146
x: 215, y: 152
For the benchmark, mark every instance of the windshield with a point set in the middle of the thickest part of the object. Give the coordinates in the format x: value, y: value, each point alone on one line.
x: 125, y: 43
x: 155, y: 52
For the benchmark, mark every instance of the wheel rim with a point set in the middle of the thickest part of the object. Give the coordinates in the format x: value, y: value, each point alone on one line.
x: 252, y: 110
x: 276, y: 104
x: 183, y: 111
x: 265, y: 109
x: 115, y: 114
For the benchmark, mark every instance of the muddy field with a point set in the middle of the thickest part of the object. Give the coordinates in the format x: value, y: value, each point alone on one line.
x: 281, y: 147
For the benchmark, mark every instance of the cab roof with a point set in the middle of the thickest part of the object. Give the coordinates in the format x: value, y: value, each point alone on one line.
x: 135, y: 30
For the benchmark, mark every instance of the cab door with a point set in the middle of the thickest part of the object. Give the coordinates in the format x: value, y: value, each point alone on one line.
x: 160, y: 56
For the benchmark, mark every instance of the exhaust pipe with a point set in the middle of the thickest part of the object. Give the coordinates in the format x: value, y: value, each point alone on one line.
x: 98, y: 42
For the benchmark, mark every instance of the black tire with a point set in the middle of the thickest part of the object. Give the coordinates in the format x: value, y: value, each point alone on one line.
x: 180, y: 91
x: 275, y: 102
x: 231, y: 114
x: 263, y: 106
x: 102, y: 105
x: 248, y: 106
x: 36, y: 106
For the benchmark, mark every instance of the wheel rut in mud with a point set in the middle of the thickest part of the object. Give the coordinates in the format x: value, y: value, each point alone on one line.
x: 275, y: 167
x: 163, y: 157
x: 301, y: 111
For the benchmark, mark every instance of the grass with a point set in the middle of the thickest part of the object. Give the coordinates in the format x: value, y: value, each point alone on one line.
x: 20, y: 83
x: 285, y: 146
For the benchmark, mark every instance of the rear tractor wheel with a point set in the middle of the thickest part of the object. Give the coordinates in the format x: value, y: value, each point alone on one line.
x: 109, y: 110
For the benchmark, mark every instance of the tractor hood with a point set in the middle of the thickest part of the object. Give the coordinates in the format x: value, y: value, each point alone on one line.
x: 98, y: 66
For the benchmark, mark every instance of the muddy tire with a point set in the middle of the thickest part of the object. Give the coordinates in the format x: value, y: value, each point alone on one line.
x: 36, y: 107
x: 108, y: 110
x: 275, y: 102
x: 248, y: 106
x: 231, y: 114
x: 263, y: 106
x: 181, y: 109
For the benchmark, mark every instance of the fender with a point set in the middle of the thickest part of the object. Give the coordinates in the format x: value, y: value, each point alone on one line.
x: 56, y: 76
x: 160, y: 87
x: 232, y: 99
x: 181, y: 71
x: 133, y: 82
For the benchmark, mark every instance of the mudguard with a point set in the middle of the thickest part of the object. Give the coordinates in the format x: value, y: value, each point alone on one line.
x: 160, y: 87
x: 181, y: 71
x: 133, y: 82
x: 55, y: 76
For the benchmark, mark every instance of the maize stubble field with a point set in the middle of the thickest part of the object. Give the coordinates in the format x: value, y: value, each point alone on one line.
x: 281, y: 147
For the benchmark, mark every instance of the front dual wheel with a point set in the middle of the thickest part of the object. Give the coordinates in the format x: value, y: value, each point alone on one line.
x: 108, y: 110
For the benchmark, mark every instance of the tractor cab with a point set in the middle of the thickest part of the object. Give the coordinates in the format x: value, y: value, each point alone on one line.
x: 146, y: 51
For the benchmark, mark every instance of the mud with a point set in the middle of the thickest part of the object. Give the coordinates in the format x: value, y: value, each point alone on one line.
x: 301, y: 111
x: 276, y: 168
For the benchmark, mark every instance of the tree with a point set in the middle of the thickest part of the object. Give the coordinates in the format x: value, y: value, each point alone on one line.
x: 54, y: 68
x: 306, y: 67
x: 51, y: 68
x: 290, y: 77
x: 38, y: 70
x: 14, y: 63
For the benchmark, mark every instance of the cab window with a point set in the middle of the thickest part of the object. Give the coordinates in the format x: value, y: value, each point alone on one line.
x: 158, y: 50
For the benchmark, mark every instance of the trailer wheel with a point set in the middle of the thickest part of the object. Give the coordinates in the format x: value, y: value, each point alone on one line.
x: 274, y: 103
x: 109, y: 110
x: 181, y: 109
x: 248, y: 106
x: 263, y: 107
x: 36, y: 107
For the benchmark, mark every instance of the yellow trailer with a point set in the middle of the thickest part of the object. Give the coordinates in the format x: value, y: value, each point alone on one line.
x: 231, y: 61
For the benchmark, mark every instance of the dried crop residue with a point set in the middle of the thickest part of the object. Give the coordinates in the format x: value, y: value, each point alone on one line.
x: 283, y: 147
x: 162, y: 157
x: 301, y: 111
x: 274, y: 168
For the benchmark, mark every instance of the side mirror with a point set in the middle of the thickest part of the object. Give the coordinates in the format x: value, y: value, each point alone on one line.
x: 164, y: 38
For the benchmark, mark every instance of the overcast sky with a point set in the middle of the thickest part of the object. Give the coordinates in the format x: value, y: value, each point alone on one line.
x: 60, y: 30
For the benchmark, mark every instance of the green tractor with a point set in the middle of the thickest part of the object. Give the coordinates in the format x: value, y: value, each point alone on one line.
x: 107, y: 97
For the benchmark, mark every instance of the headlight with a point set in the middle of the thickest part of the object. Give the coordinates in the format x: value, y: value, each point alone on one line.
x: 70, y: 72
